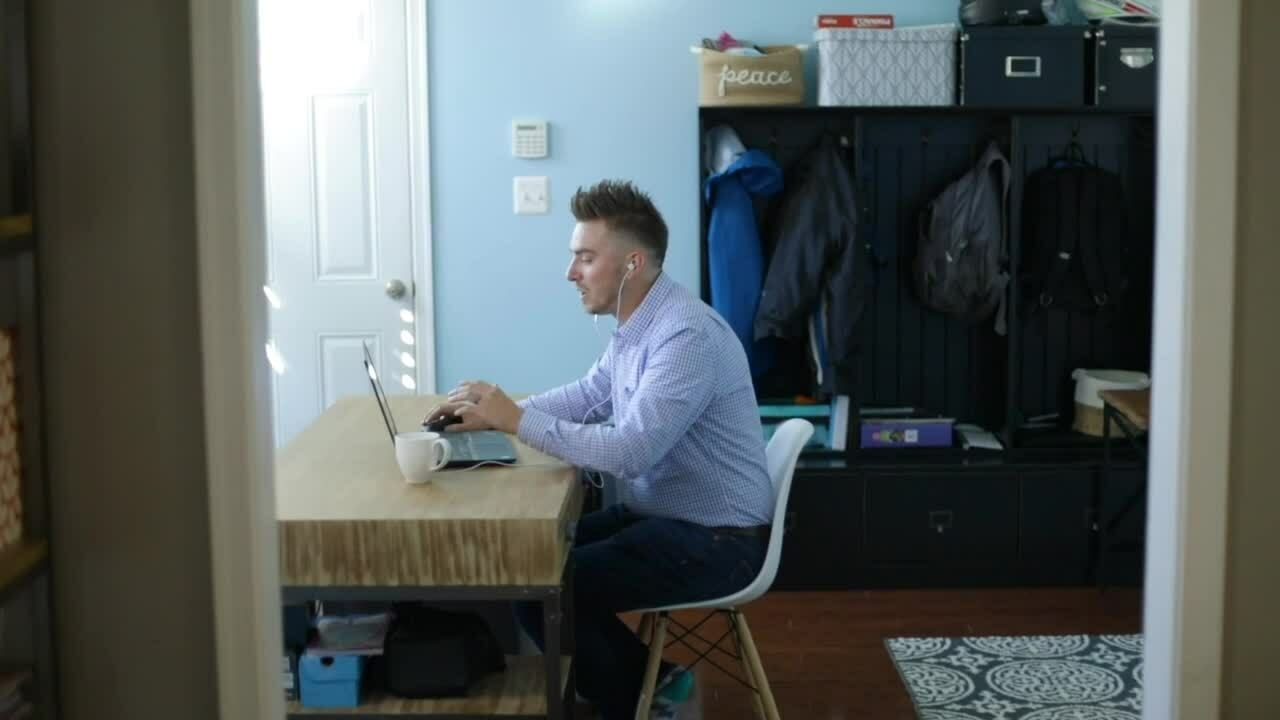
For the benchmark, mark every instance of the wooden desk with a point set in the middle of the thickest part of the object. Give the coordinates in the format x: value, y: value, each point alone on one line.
x: 351, y: 528
x: 1134, y: 405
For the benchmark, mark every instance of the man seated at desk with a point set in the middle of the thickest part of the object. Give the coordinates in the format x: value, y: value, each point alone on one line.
x: 685, y: 444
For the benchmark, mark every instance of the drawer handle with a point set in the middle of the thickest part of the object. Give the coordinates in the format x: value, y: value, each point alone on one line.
x: 940, y: 520
x: 1022, y: 66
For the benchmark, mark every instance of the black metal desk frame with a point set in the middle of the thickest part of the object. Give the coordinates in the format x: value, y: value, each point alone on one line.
x: 1136, y: 437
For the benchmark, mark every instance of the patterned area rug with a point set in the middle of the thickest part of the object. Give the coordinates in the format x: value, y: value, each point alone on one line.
x: 1034, y: 677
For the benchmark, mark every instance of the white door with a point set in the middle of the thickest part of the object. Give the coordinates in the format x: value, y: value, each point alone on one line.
x: 343, y: 98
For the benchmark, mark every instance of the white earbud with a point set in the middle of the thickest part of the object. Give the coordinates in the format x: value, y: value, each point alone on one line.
x: 631, y: 265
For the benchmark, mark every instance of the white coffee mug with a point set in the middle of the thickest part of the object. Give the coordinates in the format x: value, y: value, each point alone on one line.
x: 420, y: 454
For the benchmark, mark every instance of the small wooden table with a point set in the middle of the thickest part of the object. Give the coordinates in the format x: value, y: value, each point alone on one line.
x: 1129, y: 410
x: 351, y: 528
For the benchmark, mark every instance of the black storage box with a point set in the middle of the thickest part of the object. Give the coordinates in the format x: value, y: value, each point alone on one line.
x: 431, y: 653
x: 1024, y: 67
x: 297, y: 627
x: 1124, y: 60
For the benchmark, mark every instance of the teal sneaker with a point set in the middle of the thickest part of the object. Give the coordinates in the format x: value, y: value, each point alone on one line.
x: 661, y: 711
x: 675, y: 686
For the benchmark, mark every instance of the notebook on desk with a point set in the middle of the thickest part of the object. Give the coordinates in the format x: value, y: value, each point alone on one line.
x: 465, y: 448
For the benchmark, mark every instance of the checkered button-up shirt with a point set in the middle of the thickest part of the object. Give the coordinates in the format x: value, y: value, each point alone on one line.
x: 686, y: 440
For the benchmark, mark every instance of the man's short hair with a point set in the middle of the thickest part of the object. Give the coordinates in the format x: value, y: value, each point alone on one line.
x: 624, y: 209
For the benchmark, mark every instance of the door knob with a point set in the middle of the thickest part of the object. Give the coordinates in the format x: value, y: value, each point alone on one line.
x: 395, y: 289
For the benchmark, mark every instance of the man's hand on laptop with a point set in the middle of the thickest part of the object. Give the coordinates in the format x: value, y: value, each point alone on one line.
x: 446, y: 418
x: 482, y: 403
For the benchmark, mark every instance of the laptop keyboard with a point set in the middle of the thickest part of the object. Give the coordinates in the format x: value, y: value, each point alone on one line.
x: 481, y: 444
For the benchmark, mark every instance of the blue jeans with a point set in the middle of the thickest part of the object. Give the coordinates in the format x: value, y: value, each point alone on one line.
x: 624, y: 561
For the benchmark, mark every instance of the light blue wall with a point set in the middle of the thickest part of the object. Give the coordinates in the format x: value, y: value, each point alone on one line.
x: 616, y: 82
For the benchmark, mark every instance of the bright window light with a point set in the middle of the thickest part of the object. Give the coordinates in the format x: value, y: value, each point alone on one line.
x: 406, y: 315
x: 272, y: 297
x: 408, y: 382
x: 407, y: 360
x: 276, y: 359
x: 406, y: 337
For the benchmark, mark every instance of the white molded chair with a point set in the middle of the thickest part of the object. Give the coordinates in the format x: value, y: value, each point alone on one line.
x: 781, y: 454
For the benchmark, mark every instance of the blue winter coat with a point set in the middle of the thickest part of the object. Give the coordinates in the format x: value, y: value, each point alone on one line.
x: 735, y: 255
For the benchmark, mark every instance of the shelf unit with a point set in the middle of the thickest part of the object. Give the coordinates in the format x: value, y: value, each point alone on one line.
x: 26, y: 615
x: 518, y: 692
x: 21, y: 564
x: 947, y: 517
x: 15, y: 235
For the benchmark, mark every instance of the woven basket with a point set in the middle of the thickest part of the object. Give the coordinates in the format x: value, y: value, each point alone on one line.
x: 1088, y: 420
x: 10, y: 461
x: 775, y: 78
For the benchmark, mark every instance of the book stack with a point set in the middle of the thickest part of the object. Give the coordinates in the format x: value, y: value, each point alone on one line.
x: 857, y: 21
x: 14, y: 704
x: 830, y: 419
x: 903, y: 427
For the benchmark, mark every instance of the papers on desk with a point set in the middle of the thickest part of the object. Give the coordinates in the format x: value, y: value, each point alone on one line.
x: 973, y: 436
x: 350, y: 634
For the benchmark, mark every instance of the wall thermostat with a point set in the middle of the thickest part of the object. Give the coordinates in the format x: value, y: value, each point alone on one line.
x: 529, y: 138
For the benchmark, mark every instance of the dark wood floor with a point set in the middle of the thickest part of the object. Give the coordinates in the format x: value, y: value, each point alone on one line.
x: 825, y: 655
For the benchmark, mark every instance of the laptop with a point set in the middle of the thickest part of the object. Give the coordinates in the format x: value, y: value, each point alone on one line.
x: 466, y: 448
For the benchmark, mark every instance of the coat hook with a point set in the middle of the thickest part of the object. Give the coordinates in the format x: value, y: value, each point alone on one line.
x: 844, y: 141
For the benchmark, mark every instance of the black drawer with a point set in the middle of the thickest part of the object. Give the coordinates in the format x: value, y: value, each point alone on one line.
x: 1124, y: 510
x: 820, y: 547
x: 1059, y: 524
x: 1124, y: 73
x: 1024, y: 67
x: 953, y: 520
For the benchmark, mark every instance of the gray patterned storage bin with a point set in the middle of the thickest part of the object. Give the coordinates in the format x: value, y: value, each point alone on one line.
x: 905, y: 66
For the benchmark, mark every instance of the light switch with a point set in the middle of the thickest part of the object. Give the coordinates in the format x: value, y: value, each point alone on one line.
x: 531, y: 195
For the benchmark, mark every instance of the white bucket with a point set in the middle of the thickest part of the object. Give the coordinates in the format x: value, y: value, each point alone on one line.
x: 1088, y: 417
x: 1090, y: 382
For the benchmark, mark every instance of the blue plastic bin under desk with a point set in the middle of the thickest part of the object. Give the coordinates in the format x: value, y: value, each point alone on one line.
x: 330, y: 681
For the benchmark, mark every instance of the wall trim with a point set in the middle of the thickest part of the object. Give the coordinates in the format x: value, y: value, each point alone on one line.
x: 415, y: 13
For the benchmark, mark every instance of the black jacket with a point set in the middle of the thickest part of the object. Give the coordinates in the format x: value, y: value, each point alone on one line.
x: 815, y: 283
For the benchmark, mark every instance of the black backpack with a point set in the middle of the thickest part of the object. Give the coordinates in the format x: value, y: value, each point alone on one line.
x: 960, y: 265
x: 1075, y: 226
x: 432, y: 653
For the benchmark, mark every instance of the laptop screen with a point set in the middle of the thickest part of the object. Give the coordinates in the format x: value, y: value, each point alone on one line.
x: 379, y: 394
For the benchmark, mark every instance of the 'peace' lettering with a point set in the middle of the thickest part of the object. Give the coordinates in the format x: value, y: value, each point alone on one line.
x: 729, y: 76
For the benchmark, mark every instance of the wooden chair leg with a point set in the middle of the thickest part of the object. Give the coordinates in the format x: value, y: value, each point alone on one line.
x: 651, y: 671
x: 757, y: 669
x: 645, y: 630
x: 746, y: 665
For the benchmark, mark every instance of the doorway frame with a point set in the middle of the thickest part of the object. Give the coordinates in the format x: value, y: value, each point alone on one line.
x: 1192, y: 364
x: 1194, y: 304
x: 231, y: 243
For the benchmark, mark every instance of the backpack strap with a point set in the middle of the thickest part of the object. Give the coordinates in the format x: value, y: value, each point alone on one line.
x: 1002, y: 281
x: 1090, y: 259
x: 1056, y: 256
